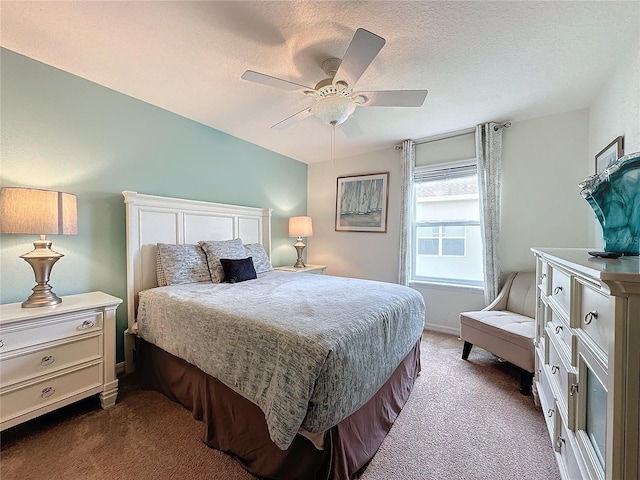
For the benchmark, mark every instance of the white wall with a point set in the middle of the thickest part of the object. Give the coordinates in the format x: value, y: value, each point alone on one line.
x: 615, y: 111
x: 542, y: 164
x: 543, y: 161
x: 353, y: 254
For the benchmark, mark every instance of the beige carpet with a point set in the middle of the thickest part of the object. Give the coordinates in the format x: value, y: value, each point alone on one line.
x: 464, y: 420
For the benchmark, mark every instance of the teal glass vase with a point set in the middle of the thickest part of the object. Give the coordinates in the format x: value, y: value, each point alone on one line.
x: 614, y: 196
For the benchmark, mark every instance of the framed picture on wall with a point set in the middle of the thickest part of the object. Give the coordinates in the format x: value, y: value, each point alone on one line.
x: 609, y: 155
x: 361, y: 203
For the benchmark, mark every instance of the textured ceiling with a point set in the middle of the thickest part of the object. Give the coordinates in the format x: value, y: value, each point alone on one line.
x: 480, y: 61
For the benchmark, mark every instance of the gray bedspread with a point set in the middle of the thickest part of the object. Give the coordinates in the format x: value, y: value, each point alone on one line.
x: 308, y: 349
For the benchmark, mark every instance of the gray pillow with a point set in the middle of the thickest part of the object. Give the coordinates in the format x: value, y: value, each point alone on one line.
x: 260, y: 259
x: 179, y: 264
x: 215, y: 250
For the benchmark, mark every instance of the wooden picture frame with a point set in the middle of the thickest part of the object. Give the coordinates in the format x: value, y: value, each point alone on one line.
x: 362, y: 202
x: 609, y: 154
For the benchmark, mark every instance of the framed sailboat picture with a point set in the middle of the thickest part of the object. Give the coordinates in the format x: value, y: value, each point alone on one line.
x: 361, y: 203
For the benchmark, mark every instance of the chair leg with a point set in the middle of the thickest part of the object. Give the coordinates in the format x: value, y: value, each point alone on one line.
x: 526, y: 379
x: 466, y: 349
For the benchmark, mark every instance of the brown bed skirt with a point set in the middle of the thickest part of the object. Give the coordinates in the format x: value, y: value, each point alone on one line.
x: 237, y: 427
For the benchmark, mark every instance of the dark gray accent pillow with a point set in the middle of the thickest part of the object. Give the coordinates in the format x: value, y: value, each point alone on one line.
x: 238, y: 270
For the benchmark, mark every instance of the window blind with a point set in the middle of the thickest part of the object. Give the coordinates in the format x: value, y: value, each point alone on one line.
x: 448, y: 171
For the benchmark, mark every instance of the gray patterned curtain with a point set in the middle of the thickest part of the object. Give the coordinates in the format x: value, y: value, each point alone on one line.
x: 488, y: 154
x: 406, y: 210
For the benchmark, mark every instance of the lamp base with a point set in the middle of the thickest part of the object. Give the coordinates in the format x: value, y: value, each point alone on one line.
x: 299, y: 248
x: 42, y: 296
x: 41, y: 259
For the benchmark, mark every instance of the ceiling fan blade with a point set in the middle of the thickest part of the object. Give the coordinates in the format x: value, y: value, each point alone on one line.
x: 302, y: 114
x: 360, y: 53
x: 394, y: 98
x: 351, y: 128
x: 275, y: 82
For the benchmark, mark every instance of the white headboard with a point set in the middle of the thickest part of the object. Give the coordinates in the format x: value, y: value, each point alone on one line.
x: 152, y: 220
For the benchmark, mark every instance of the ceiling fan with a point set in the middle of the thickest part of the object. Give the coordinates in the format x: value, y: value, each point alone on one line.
x: 335, y: 98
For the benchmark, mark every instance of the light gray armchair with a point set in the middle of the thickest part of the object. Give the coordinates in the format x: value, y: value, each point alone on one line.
x: 506, y: 327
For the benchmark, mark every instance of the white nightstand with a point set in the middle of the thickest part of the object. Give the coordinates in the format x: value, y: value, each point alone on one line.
x: 319, y: 269
x: 53, y: 356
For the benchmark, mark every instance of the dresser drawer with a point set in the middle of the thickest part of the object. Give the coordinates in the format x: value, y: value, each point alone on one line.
x: 22, y: 365
x: 564, y: 335
x: 560, y: 377
x: 561, y: 290
x: 566, y: 448
x: 595, y: 316
x: 543, y: 279
x: 20, y: 401
x: 547, y: 401
x: 33, y: 332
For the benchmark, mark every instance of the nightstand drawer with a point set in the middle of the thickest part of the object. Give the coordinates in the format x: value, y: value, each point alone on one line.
x: 29, y: 333
x: 596, y: 316
x: 20, y: 401
x: 21, y: 365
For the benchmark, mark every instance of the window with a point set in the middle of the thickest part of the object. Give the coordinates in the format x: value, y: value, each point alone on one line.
x: 446, y: 227
x: 441, y: 240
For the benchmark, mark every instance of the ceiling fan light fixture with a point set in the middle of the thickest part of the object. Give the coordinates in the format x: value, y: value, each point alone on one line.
x: 333, y: 110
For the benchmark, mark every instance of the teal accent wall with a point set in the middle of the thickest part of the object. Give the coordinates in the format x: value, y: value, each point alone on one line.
x: 61, y: 132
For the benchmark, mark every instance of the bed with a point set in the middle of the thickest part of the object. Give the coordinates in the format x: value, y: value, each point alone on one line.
x: 296, y: 376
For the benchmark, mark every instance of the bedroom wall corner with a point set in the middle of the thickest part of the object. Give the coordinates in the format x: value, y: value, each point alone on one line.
x: 62, y: 132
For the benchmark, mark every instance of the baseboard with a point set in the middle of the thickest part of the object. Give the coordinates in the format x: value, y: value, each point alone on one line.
x: 442, y: 329
x: 119, y: 369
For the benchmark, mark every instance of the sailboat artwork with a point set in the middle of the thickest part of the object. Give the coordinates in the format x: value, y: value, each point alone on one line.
x: 361, y: 203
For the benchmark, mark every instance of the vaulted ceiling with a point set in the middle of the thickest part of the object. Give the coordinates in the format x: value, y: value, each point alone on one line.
x: 480, y: 60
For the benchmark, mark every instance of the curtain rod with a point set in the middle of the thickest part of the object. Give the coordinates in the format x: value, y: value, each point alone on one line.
x: 457, y: 133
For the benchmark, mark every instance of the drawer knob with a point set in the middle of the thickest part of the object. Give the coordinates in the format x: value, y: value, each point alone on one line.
x: 559, y: 442
x: 558, y: 329
x: 47, y: 360
x: 550, y: 413
x: 588, y: 318
x: 1, y: 344
x: 47, y: 392
x: 573, y: 389
x: 555, y: 369
x: 557, y: 290
x: 87, y: 324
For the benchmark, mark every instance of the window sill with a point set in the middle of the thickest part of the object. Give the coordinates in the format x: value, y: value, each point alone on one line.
x: 447, y: 286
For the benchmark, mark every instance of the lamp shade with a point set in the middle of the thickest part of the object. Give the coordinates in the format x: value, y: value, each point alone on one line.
x: 300, y: 227
x: 37, y: 212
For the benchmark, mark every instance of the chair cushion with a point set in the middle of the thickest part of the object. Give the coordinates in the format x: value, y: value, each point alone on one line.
x: 505, y: 334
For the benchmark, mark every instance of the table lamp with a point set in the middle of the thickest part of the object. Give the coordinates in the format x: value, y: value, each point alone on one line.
x: 32, y: 211
x: 300, y: 227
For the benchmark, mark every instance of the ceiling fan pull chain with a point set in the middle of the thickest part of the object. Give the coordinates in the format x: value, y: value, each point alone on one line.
x: 333, y: 143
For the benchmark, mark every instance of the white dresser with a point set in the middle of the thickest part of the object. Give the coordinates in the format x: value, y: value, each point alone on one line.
x: 53, y: 356
x: 587, y: 377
